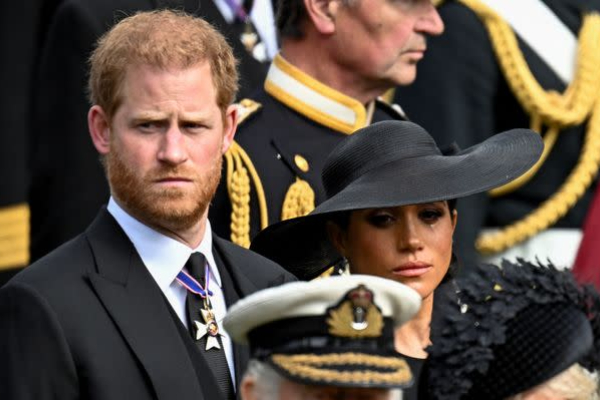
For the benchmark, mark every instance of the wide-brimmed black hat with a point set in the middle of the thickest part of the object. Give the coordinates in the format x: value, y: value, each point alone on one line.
x: 509, y: 329
x: 334, y: 331
x: 388, y: 164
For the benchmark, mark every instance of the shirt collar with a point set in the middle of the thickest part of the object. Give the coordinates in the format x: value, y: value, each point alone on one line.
x: 163, y: 256
x: 313, y: 99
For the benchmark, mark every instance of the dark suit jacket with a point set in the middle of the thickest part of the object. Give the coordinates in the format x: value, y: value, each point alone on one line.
x: 89, y: 321
x: 63, y: 157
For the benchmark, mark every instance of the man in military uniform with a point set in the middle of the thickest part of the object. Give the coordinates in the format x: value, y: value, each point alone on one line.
x: 494, y: 69
x: 336, y: 58
x: 330, y: 338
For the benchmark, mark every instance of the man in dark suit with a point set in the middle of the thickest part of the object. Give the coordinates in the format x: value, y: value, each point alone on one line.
x: 68, y: 184
x: 131, y: 308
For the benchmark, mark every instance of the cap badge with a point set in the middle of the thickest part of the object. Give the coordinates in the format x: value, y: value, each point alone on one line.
x: 356, y: 316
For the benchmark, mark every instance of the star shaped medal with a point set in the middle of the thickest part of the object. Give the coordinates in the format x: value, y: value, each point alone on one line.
x: 209, y: 328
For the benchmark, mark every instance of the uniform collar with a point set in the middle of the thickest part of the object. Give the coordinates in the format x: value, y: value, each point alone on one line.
x: 163, y: 256
x: 313, y: 99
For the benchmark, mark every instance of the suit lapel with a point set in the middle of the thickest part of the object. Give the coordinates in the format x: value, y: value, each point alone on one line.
x: 135, y: 302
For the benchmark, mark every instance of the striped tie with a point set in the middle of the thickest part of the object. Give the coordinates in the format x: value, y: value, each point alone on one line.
x: 214, y: 357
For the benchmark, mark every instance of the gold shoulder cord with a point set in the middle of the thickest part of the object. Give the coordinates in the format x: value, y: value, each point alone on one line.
x: 299, y: 200
x: 579, y: 102
x: 14, y: 236
x: 239, y: 171
x: 374, y: 369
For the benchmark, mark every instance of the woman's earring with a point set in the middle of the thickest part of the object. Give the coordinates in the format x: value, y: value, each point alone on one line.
x: 340, y: 267
x: 344, y: 267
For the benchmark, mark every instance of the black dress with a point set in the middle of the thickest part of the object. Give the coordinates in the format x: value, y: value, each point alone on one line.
x: 417, y: 367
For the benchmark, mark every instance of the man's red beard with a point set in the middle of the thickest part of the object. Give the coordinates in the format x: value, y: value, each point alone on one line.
x: 174, y: 208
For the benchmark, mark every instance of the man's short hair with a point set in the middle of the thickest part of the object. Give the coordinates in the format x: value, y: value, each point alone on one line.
x: 162, y: 39
x: 290, y: 16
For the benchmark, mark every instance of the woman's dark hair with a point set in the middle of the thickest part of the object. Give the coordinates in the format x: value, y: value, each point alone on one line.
x: 342, y: 218
x: 452, y: 205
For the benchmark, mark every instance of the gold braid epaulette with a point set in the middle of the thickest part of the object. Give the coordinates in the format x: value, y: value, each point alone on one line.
x: 373, y: 369
x: 580, y: 101
x: 239, y: 171
x: 14, y: 236
x: 557, y: 205
x: 299, y: 200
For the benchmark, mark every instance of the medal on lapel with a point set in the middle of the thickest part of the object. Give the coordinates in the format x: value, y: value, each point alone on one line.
x: 249, y: 37
x: 210, y: 327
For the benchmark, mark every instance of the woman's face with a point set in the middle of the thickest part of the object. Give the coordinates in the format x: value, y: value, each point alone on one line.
x: 411, y: 244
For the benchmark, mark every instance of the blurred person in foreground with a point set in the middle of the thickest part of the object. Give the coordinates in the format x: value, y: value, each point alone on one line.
x: 327, y: 339
x: 131, y: 308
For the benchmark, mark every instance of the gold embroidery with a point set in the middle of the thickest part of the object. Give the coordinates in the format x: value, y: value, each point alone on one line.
x: 14, y: 236
x: 305, y: 107
x: 239, y: 171
x: 299, y: 200
x: 313, y: 366
x: 246, y: 108
x: 356, y: 316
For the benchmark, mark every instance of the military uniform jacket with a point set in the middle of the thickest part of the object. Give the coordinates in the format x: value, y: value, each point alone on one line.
x: 462, y: 95
x: 287, y: 131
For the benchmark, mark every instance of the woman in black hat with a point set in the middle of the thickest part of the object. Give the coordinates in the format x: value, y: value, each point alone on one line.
x: 522, y: 331
x: 390, y: 210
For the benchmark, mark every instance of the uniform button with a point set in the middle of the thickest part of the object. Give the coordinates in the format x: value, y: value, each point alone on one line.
x: 301, y: 163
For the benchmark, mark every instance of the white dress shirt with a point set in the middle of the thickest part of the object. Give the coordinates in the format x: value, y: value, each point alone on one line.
x: 164, y: 257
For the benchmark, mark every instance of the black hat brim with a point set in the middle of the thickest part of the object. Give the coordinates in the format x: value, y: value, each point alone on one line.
x: 301, y: 244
